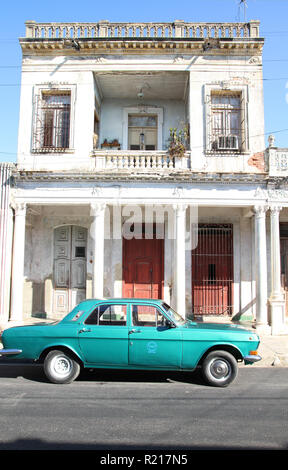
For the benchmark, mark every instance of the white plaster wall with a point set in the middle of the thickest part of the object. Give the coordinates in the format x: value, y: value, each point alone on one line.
x: 220, y: 74
x: 82, y: 118
x: 216, y: 72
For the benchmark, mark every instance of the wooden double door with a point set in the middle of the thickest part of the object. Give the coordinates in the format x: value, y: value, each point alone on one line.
x: 69, y: 273
x: 143, y: 268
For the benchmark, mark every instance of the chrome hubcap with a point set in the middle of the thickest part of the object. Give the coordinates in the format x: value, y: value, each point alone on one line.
x: 61, y: 365
x: 220, y: 369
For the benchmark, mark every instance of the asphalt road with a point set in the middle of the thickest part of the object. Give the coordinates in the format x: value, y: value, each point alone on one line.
x: 146, y: 411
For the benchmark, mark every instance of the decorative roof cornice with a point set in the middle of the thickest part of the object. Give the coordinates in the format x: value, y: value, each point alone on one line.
x: 132, y: 177
x: 143, y: 45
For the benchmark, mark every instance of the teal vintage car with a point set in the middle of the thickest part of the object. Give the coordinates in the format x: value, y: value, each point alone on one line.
x: 132, y: 334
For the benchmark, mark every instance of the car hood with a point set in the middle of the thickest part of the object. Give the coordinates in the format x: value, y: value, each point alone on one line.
x: 218, y: 326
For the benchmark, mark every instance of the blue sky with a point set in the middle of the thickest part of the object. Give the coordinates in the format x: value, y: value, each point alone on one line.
x: 273, y: 15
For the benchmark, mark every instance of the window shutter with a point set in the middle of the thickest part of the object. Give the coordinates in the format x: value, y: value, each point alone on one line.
x: 244, y: 142
x: 36, y: 123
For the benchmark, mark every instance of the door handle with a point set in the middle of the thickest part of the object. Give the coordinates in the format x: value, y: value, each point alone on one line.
x: 85, y: 330
x: 134, y: 331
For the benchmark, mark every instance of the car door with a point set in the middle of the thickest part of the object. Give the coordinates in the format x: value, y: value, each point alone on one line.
x: 152, y: 342
x: 103, y: 337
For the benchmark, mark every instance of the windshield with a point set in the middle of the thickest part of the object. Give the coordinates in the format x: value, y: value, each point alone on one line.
x: 175, y: 317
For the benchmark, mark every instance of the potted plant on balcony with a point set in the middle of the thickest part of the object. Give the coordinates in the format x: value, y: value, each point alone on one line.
x: 177, y: 141
x: 112, y: 144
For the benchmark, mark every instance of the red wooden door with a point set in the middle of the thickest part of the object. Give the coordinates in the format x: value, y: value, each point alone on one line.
x: 143, y: 269
x: 212, y: 270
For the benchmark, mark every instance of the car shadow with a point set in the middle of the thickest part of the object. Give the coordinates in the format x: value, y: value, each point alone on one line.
x: 105, y: 376
x: 34, y: 372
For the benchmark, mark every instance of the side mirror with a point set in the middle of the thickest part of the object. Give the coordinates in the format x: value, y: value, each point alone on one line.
x: 169, y: 324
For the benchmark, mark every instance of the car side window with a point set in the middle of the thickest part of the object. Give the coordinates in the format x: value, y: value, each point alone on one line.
x: 108, y: 314
x: 146, y: 315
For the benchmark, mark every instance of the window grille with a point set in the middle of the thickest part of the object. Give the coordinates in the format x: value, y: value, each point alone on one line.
x: 51, y: 130
x: 226, y: 122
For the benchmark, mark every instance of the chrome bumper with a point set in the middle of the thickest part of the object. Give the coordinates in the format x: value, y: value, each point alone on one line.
x: 247, y: 359
x: 9, y: 352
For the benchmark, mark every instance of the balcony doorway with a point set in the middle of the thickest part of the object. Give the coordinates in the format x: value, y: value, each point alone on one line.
x: 142, y: 132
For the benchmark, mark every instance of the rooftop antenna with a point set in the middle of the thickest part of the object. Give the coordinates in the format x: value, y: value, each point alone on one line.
x: 243, y: 3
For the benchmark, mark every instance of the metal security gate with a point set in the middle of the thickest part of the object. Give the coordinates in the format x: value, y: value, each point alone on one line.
x: 212, y: 270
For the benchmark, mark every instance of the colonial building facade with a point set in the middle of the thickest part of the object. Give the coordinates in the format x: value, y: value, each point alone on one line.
x: 143, y: 171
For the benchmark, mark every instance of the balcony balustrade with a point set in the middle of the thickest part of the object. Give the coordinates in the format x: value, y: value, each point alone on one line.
x: 278, y: 162
x: 107, y: 30
x: 137, y: 160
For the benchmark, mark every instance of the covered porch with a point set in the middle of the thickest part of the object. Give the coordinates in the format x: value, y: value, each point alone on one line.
x: 208, y: 262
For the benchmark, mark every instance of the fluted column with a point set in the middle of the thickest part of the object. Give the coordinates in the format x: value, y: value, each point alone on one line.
x: 261, y: 265
x: 97, y: 211
x: 179, y: 271
x: 277, y: 300
x: 16, y: 313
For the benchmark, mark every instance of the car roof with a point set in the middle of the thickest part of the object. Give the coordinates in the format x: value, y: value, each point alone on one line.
x: 124, y: 299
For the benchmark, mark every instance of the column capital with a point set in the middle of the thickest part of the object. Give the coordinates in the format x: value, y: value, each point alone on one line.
x: 275, y: 209
x: 260, y: 211
x: 19, y: 208
x: 178, y: 207
x: 97, y: 208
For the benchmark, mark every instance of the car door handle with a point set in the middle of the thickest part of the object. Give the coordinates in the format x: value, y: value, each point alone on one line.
x: 85, y: 330
x: 134, y: 331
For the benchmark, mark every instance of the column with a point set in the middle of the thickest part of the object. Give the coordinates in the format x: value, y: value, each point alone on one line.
x: 16, y: 313
x: 179, y: 271
x: 277, y: 300
x: 261, y: 265
x: 97, y: 211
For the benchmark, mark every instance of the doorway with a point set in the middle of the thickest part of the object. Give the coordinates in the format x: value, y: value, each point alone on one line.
x: 143, y: 267
x: 69, y: 271
x: 212, y: 270
x: 142, y: 132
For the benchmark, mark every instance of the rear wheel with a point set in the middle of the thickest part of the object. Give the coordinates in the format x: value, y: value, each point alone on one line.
x: 219, y: 368
x: 60, y: 368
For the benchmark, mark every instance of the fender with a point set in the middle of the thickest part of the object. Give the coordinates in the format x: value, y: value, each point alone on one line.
x: 231, y: 348
x: 61, y: 347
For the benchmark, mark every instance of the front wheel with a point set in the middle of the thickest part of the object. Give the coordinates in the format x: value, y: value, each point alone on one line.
x: 219, y: 368
x: 60, y: 368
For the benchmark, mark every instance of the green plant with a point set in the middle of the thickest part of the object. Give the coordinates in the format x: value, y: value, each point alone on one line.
x: 178, y: 141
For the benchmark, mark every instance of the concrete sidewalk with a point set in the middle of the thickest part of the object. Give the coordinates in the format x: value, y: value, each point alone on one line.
x: 273, y: 350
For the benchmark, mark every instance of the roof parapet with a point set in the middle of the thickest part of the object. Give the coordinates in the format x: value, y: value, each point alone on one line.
x: 177, y: 29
